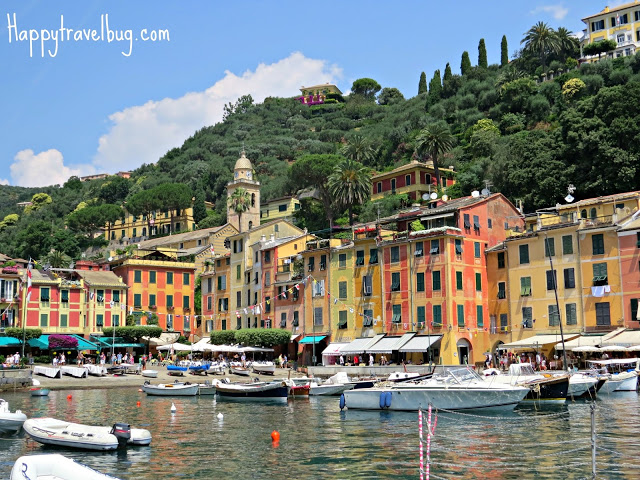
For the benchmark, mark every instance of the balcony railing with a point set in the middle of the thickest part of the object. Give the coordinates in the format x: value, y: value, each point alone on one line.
x: 284, y: 268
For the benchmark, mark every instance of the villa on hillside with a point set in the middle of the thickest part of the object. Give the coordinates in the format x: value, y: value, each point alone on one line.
x: 317, y: 94
x: 621, y: 24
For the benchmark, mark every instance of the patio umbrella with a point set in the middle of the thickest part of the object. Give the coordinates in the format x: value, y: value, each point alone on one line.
x: 614, y: 348
x: 587, y: 349
x: 633, y: 348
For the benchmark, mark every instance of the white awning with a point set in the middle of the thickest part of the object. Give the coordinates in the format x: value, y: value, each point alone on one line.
x: 294, y: 338
x: 165, y: 338
x: 176, y: 347
x: 361, y: 345
x: 389, y: 344
x: 537, y: 341
x: 628, y: 338
x: 421, y: 343
x: 614, y: 361
x: 334, y: 349
x: 582, y: 341
x: 434, y: 217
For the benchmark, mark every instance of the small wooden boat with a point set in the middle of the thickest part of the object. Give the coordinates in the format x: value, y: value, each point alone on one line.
x: 39, y: 392
x: 239, y: 371
x: 53, y: 466
x: 266, y: 368
x: 171, y: 389
x: 150, y: 373
x: 10, y: 421
x: 50, y: 431
x: 253, y: 391
x: 176, y: 370
x: 299, y: 390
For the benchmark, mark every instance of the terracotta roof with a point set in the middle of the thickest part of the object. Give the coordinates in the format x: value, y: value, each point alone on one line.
x: 603, y: 199
x: 100, y: 278
x: 612, y: 10
x: 181, y: 237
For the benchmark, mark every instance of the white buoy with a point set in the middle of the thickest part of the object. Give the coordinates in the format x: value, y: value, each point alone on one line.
x: 220, y: 416
x: 35, y: 382
x: 173, y: 408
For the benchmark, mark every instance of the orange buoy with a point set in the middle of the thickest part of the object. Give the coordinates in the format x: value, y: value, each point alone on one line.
x: 69, y: 397
x: 137, y: 404
x: 275, y: 436
x: 140, y: 390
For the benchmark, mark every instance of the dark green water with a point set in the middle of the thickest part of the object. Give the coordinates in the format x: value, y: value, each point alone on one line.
x: 320, y: 442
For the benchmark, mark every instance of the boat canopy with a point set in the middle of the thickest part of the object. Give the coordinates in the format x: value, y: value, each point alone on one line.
x: 360, y: 345
x: 334, y: 349
x: 614, y: 361
x: 420, y: 343
x: 537, y: 341
x: 390, y: 344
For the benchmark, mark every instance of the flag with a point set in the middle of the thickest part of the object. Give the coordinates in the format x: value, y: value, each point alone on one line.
x: 29, y: 281
x: 617, y: 19
x: 335, y: 301
x: 91, y: 295
x: 212, y: 251
x: 298, y: 288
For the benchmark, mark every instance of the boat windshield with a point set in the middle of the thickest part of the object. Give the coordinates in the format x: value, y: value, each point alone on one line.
x: 462, y: 375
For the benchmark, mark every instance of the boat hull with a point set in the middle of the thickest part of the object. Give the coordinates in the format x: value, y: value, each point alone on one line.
x: 264, y: 368
x: 40, y: 392
x: 53, y: 467
x: 244, y: 372
x: 299, y: 391
x: 269, y: 391
x: 206, y: 389
x: 329, y: 390
x: 171, y: 390
x: 11, y: 423
x: 628, y: 384
x: 150, y: 373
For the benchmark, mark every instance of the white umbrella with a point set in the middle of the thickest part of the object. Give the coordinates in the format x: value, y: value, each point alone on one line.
x: 587, y: 348
x: 633, y: 348
x: 178, y: 347
x: 614, y: 348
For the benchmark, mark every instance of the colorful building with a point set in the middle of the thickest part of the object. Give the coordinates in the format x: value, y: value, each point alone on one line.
x: 629, y: 247
x: 9, y: 295
x: 341, y: 293
x: 414, y: 179
x: 279, y: 208
x: 317, y: 94
x: 620, y: 24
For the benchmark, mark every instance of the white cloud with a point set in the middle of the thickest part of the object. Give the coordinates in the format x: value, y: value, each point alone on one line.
x: 45, y: 168
x: 143, y: 133
x: 4, y: 181
x: 557, y: 11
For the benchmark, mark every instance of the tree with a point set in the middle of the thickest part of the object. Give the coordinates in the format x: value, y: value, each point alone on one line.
x: 262, y: 337
x: 199, y: 208
x: 350, y: 184
x: 224, y: 337
x: 568, y: 45
x: 114, y: 190
x: 541, y: 40
x: 144, y: 203
x: 504, y: 52
x: 57, y: 259
x: 38, y: 201
x: 465, y: 63
x: 239, y: 202
x: 389, y: 96
x: 482, y: 54
x: 572, y: 87
x: 91, y: 219
x: 422, y: 84
x: 435, y: 88
x: 599, y: 48
x: 242, y: 105
x: 111, y: 213
x: 366, y: 87
x: 434, y: 140
x: 360, y: 149
x: 19, y: 333
x: 174, y: 197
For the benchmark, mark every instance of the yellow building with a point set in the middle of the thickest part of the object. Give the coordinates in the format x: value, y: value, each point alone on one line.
x: 367, y: 295
x: 278, y: 208
x: 343, y: 316
x: 414, y: 179
x: 621, y: 24
x: 317, y: 93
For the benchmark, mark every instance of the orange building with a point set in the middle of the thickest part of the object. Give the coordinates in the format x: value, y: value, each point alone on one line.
x: 629, y: 248
x: 414, y: 179
x: 215, y: 296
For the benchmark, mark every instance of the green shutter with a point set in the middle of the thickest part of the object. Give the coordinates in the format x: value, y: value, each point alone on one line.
x: 567, y: 244
x: 421, y: 315
x: 152, y: 300
x: 549, y: 247
x: 572, y: 317
x: 479, y: 316
x: 152, y: 276
x: 169, y: 278
x: 436, y: 280
x: 478, y: 282
x: 137, y: 300
x: 137, y: 276
x: 169, y: 300
x: 460, y: 310
x: 634, y: 310
x: 437, y: 315
x: 63, y: 320
x: 342, y: 289
x: 458, y: 280
x: 420, y: 282
x: 524, y: 254
x: 185, y: 279
x: 64, y: 297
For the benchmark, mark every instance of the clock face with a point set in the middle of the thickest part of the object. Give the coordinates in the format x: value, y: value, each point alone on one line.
x: 236, y: 174
x: 249, y: 175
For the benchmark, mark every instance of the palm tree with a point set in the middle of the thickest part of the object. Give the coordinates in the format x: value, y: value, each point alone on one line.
x: 57, y: 259
x: 350, y: 184
x: 239, y: 202
x: 434, y: 140
x: 541, y: 40
x: 359, y: 149
x: 568, y: 45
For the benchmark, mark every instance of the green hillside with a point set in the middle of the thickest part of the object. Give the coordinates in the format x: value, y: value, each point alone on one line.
x: 530, y: 127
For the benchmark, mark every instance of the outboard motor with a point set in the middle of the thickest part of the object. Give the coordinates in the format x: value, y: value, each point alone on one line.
x: 122, y: 432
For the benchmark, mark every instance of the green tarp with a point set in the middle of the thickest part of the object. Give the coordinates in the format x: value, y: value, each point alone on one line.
x: 312, y: 339
x: 9, y: 342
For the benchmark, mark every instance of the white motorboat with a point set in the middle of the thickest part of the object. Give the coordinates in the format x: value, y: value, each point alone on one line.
x: 622, y: 378
x: 150, y: 373
x: 51, y: 431
x: 456, y: 389
x: 544, y: 387
x: 327, y: 389
x: 53, y: 466
x: 207, y: 388
x: 253, y: 391
x: 266, y: 368
x: 10, y: 421
x: 580, y: 384
x: 238, y: 370
x: 402, y: 376
x: 171, y: 389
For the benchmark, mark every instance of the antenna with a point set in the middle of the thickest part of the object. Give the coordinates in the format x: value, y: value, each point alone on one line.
x: 445, y: 197
x: 425, y: 196
x: 570, y: 189
x: 475, y: 194
x: 433, y: 196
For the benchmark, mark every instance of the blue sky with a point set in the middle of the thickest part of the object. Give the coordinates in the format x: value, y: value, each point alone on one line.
x: 92, y: 109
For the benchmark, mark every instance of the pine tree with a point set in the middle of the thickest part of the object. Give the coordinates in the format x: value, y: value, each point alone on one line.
x: 482, y: 54
x: 465, y: 64
x: 447, y: 74
x: 422, y: 84
x: 504, y: 52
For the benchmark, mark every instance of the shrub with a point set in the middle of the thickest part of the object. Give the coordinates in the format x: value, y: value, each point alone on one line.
x: 223, y: 337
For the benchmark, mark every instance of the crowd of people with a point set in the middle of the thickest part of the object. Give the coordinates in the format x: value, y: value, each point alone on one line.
x: 12, y: 360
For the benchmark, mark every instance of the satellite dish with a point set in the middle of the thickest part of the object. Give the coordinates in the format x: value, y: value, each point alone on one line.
x: 569, y: 198
x: 425, y: 196
x: 445, y: 198
x: 475, y: 194
x: 434, y: 195
x: 110, y: 259
x: 485, y: 192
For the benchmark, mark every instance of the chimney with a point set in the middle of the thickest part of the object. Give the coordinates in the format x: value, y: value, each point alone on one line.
x: 272, y: 237
x: 263, y: 238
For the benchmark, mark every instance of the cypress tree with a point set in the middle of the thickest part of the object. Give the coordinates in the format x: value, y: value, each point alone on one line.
x: 465, y: 64
x: 435, y: 86
x: 482, y: 54
x: 422, y: 84
x: 504, y: 52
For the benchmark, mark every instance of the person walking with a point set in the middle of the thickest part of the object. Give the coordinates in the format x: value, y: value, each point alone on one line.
x: 371, y: 360
x: 342, y: 360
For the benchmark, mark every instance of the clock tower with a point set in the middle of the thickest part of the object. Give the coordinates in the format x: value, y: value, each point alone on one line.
x: 243, y: 178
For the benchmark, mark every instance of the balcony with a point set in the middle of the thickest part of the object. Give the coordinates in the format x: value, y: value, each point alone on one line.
x: 284, y: 268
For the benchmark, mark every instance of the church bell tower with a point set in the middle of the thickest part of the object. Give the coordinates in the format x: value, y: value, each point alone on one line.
x: 243, y: 178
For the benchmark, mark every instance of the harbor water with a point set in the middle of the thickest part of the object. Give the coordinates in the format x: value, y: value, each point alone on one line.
x: 319, y: 441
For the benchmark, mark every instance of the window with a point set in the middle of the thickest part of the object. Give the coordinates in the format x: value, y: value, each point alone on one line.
x: 318, y: 288
x: 64, y: 296
x: 593, y: 214
x: 100, y: 297
x: 504, y: 322
x: 44, y: 294
x: 435, y: 247
x: 312, y: 264
x: 185, y: 279
x: 373, y: 256
x: 360, y: 258
x: 227, y: 261
x: 366, y: 285
x: 396, y: 314
x: 478, y: 282
x: 99, y: 320
x: 209, y: 302
x: 209, y: 285
x: 267, y: 304
x: 342, y: 319
x: 603, y: 316
x: 395, y: 282
x: 137, y: 276
x: 502, y: 290
x: 524, y: 254
x: 152, y: 276
x: 552, y: 279
x: 436, y: 284
x: 137, y: 300
x: 367, y: 318
x: 569, y: 278
x: 458, y: 280
x: 116, y: 296
x: 379, y: 187
x: 44, y: 319
x: 489, y: 223
x: 185, y: 302
x: 238, y: 272
x: 599, y: 274
x: 460, y: 311
x: 599, y: 25
x: 152, y: 300
x: 527, y: 317
x: 476, y: 223
x: 549, y: 247
x: 597, y: 242
x: 407, y: 180
x: 296, y: 320
x: 342, y: 290
x: 267, y: 279
x: 572, y: 316
x: 283, y: 320
x: 479, y: 316
x: 135, y: 232
x: 420, y: 282
x: 323, y: 262
x: 267, y: 256
x: 255, y: 278
x: 169, y: 278
x: 525, y: 286
x: 583, y: 213
x: 282, y: 208
x: 393, y: 186
x: 419, y: 251
x: 222, y: 282
x: 500, y: 259
x: 554, y: 316
x: 317, y: 316
x: 342, y: 260
x: 437, y: 315
x: 567, y: 244
x: 458, y: 243
x: 467, y: 222
x: 64, y: 320
x: 395, y: 254
x: 421, y: 316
